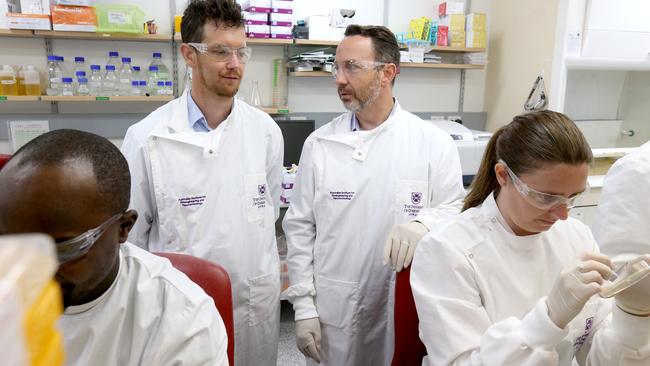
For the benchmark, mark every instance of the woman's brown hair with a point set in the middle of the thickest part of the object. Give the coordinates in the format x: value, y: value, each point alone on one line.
x: 525, y: 144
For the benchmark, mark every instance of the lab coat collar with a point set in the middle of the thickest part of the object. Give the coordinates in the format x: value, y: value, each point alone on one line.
x: 78, y: 309
x: 342, y: 133
x: 493, y: 213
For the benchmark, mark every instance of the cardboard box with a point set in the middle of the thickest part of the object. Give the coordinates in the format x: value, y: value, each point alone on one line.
x: 256, y: 18
x: 476, y: 22
x: 457, y: 39
x: 8, y: 6
x: 74, y: 18
x: 72, y: 2
x: 476, y: 39
x: 455, y: 22
x: 258, y: 31
x: 284, y: 20
x: 35, y: 7
x: 280, y: 30
x: 282, y: 6
x: 29, y: 21
x: 256, y: 6
x: 451, y: 7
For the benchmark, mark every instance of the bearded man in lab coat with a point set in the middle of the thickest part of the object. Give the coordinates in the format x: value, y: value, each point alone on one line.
x: 123, y: 305
x: 366, y: 171
x: 207, y: 171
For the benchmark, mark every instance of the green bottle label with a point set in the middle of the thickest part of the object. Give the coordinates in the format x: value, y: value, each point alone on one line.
x: 102, y: 98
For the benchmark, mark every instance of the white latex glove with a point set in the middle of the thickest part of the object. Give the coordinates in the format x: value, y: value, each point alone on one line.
x: 575, y: 285
x: 636, y: 299
x: 401, y: 243
x: 308, y: 337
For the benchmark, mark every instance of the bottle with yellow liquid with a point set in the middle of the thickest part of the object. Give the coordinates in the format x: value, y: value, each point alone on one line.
x: 8, y: 81
x: 29, y: 81
x: 30, y: 301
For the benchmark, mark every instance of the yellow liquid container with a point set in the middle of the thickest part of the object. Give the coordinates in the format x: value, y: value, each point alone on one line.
x: 29, y: 81
x: 8, y: 85
x: 30, y: 301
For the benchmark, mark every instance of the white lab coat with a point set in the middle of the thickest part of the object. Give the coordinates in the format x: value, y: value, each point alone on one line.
x: 215, y: 195
x: 622, y: 227
x: 480, y: 293
x: 151, y: 315
x: 351, y: 188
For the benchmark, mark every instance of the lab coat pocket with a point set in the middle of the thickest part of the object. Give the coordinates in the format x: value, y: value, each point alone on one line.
x: 263, y: 294
x: 255, y: 198
x: 337, y: 303
x: 411, y: 197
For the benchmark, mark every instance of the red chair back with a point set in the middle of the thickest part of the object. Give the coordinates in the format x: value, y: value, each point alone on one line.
x: 4, y: 158
x: 214, y: 280
x: 409, y: 349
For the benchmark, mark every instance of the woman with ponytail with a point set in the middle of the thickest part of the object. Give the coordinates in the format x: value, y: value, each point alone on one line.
x: 513, y: 280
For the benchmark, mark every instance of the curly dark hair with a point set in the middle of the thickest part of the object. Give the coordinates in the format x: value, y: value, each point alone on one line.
x: 222, y: 13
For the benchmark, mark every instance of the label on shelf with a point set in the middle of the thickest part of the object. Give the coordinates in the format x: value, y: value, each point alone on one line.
x: 102, y: 98
x: 3, y: 98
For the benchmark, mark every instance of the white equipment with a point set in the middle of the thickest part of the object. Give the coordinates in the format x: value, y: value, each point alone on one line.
x: 470, y: 143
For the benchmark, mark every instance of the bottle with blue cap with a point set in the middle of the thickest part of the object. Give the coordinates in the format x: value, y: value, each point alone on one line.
x: 110, y: 82
x: 54, y: 76
x: 163, y: 71
x: 82, y: 88
x: 135, y: 88
x: 135, y: 73
x: 152, y: 80
x: 80, y: 64
x: 169, y: 88
x: 113, y: 59
x: 67, y: 89
x: 125, y: 76
x: 95, y: 80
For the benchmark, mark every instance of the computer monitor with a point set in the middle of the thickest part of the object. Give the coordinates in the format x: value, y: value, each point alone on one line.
x: 295, y: 132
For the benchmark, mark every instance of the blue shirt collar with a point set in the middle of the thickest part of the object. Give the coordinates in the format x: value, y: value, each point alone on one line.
x: 195, y: 116
x: 354, y: 122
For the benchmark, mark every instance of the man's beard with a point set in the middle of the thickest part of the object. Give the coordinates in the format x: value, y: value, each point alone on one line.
x: 367, y: 98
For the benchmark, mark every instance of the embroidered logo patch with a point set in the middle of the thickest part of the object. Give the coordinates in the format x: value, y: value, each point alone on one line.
x: 261, y: 189
x: 416, y: 198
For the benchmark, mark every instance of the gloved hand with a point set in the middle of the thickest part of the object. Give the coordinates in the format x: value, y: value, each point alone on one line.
x: 636, y: 299
x: 575, y: 285
x: 401, y: 243
x: 308, y: 337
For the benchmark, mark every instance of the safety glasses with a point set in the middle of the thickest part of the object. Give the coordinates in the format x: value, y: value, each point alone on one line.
x: 352, y: 68
x: 76, y: 247
x: 541, y: 200
x: 223, y: 53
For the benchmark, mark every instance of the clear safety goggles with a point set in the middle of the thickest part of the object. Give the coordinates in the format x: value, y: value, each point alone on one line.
x: 223, y: 53
x: 352, y: 68
x: 78, y: 246
x: 541, y: 200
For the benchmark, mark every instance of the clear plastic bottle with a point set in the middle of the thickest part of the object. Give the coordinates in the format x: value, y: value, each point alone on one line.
x: 64, y: 70
x: 30, y: 79
x: 20, y: 82
x: 169, y: 88
x: 135, y: 88
x: 95, y: 81
x: 125, y: 76
x: 113, y: 59
x: 78, y: 75
x: 54, y: 76
x: 256, y: 99
x: 152, y: 80
x: 80, y: 65
x: 110, y: 82
x: 8, y: 84
x: 67, y: 88
x: 82, y: 88
x: 160, y: 88
x: 163, y: 71
x: 142, y: 85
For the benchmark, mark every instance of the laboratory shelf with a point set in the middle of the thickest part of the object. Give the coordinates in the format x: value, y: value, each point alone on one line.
x: 456, y: 49
x: 310, y: 73
x: 157, y: 98
x: 275, y: 110
x: 269, y: 41
x: 19, y: 98
x: 311, y: 42
x: 15, y: 33
x: 104, y: 36
x: 441, y: 66
x: 597, y: 63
